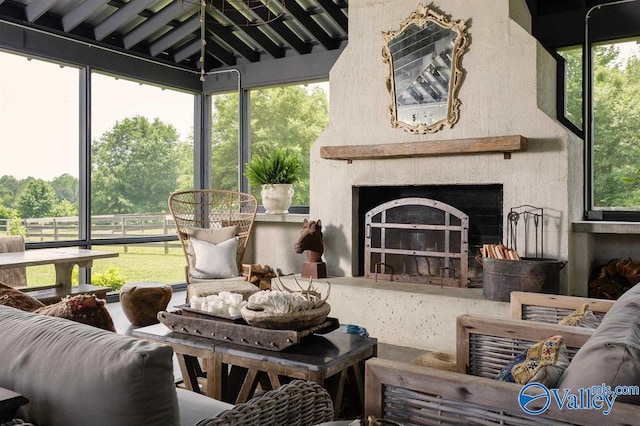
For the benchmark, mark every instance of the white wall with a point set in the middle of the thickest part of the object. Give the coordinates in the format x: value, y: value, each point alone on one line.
x: 272, y: 241
x: 509, y: 88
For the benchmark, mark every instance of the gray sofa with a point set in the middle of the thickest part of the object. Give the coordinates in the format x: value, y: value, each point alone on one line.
x: 75, y: 374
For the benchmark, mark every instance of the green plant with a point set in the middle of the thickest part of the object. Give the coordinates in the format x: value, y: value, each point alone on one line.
x: 110, y: 278
x: 272, y: 166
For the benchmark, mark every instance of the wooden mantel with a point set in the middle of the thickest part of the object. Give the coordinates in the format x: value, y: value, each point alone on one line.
x: 505, y: 144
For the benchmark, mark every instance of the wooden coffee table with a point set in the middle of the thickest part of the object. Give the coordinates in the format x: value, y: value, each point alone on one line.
x: 333, y: 360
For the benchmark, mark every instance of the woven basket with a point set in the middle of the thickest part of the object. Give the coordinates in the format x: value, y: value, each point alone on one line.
x: 286, y: 321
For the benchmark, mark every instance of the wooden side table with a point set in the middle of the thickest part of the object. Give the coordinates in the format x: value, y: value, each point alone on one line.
x: 10, y: 401
x: 331, y: 360
x: 231, y: 372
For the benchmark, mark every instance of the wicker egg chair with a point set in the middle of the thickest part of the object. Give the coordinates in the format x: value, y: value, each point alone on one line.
x: 207, y: 210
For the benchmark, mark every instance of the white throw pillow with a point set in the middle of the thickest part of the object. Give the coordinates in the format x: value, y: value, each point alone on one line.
x: 215, y: 260
x: 212, y: 235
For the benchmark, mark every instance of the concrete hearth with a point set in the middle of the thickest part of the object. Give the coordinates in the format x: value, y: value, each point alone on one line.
x: 414, y: 315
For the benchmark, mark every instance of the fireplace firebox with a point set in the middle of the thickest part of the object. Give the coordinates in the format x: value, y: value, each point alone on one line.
x: 426, y: 234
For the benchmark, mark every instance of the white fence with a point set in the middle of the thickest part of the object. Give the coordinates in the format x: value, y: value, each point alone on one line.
x: 104, y: 226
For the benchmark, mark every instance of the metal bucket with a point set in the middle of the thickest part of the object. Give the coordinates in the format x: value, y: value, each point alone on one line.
x: 501, y: 277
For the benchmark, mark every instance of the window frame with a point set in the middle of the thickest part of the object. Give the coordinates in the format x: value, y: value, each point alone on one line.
x: 590, y: 212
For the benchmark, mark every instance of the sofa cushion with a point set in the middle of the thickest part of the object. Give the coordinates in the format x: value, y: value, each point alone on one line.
x: 75, y: 374
x: 612, y: 354
x: 195, y: 407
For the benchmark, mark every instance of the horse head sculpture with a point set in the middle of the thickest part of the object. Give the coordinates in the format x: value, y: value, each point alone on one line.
x: 310, y: 240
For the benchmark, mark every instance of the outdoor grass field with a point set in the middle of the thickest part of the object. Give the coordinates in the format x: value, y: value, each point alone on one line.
x: 137, y: 264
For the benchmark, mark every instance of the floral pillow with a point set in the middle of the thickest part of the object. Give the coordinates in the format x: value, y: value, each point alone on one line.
x: 87, y: 309
x: 581, y: 317
x: 83, y: 308
x: 543, y: 362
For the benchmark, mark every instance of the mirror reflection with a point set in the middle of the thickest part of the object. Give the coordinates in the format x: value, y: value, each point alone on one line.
x: 424, y: 71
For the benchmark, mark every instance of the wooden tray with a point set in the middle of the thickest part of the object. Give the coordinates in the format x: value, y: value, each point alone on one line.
x: 239, y: 332
x: 196, y: 313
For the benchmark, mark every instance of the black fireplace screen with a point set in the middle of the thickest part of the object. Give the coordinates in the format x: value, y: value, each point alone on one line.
x: 417, y: 240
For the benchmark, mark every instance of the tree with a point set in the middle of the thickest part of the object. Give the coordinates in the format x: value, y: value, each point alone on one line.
x: 64, y: 208
x: 224, y: 143
x: 6, y: 214
x: 134, y: 167
x: 66, y: 188
x: 616, y: 127
x: 36, y: 199
x: 10, y: 187
x: 616, y: 120
x: 286, y: 116
x: 185, y: 165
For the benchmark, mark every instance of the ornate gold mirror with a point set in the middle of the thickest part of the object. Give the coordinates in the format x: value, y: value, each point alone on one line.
x: 425, y: 71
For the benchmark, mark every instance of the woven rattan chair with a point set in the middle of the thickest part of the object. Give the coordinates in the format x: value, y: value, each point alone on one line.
x: 14, y: 277
x: 552, y: 308
x: 298, y: 403
x: 213, y: 209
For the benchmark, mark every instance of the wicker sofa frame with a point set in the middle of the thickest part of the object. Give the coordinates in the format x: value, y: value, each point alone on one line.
x: 415, y: 395
x: 551, y: 308
x: 298, y: 403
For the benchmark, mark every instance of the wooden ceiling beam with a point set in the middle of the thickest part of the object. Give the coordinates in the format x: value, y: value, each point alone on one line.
x: 80, y: 13
x: 335, y: 13
x: 151, y: 25
x: 252, y: 31
x: 174, y: 36
x: 312, y: 26
x: 226, y: 35
x: 37, y: 8
x: 289, y: 36
x: 120, y: 17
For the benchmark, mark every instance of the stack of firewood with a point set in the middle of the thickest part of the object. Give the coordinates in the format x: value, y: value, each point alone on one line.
x: 499, y: 251
x: 259, y: 275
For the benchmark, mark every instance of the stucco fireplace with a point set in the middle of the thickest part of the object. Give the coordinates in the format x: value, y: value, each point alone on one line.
x: 509, y: 88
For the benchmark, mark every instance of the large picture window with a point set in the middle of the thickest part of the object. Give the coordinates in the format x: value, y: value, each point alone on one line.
x: 39, y: 183
x: 141, y: 151
x: 613, y: 140
x: 616, y: 127
x: 292, y: 117
x: 225, y: 161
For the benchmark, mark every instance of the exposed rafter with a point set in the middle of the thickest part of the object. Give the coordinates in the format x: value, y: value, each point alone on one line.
x: 81, y: 12
x: 120, y: 17
x: 170, y: 31
x: 37, y: 8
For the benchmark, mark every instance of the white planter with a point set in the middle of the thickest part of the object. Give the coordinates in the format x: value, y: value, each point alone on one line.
x: 276, y: 198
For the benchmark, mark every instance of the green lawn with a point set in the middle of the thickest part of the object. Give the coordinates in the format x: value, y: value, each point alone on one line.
x: 138, y: 264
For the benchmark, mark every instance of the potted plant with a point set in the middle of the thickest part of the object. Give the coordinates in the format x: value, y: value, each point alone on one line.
x: 275, y: 170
